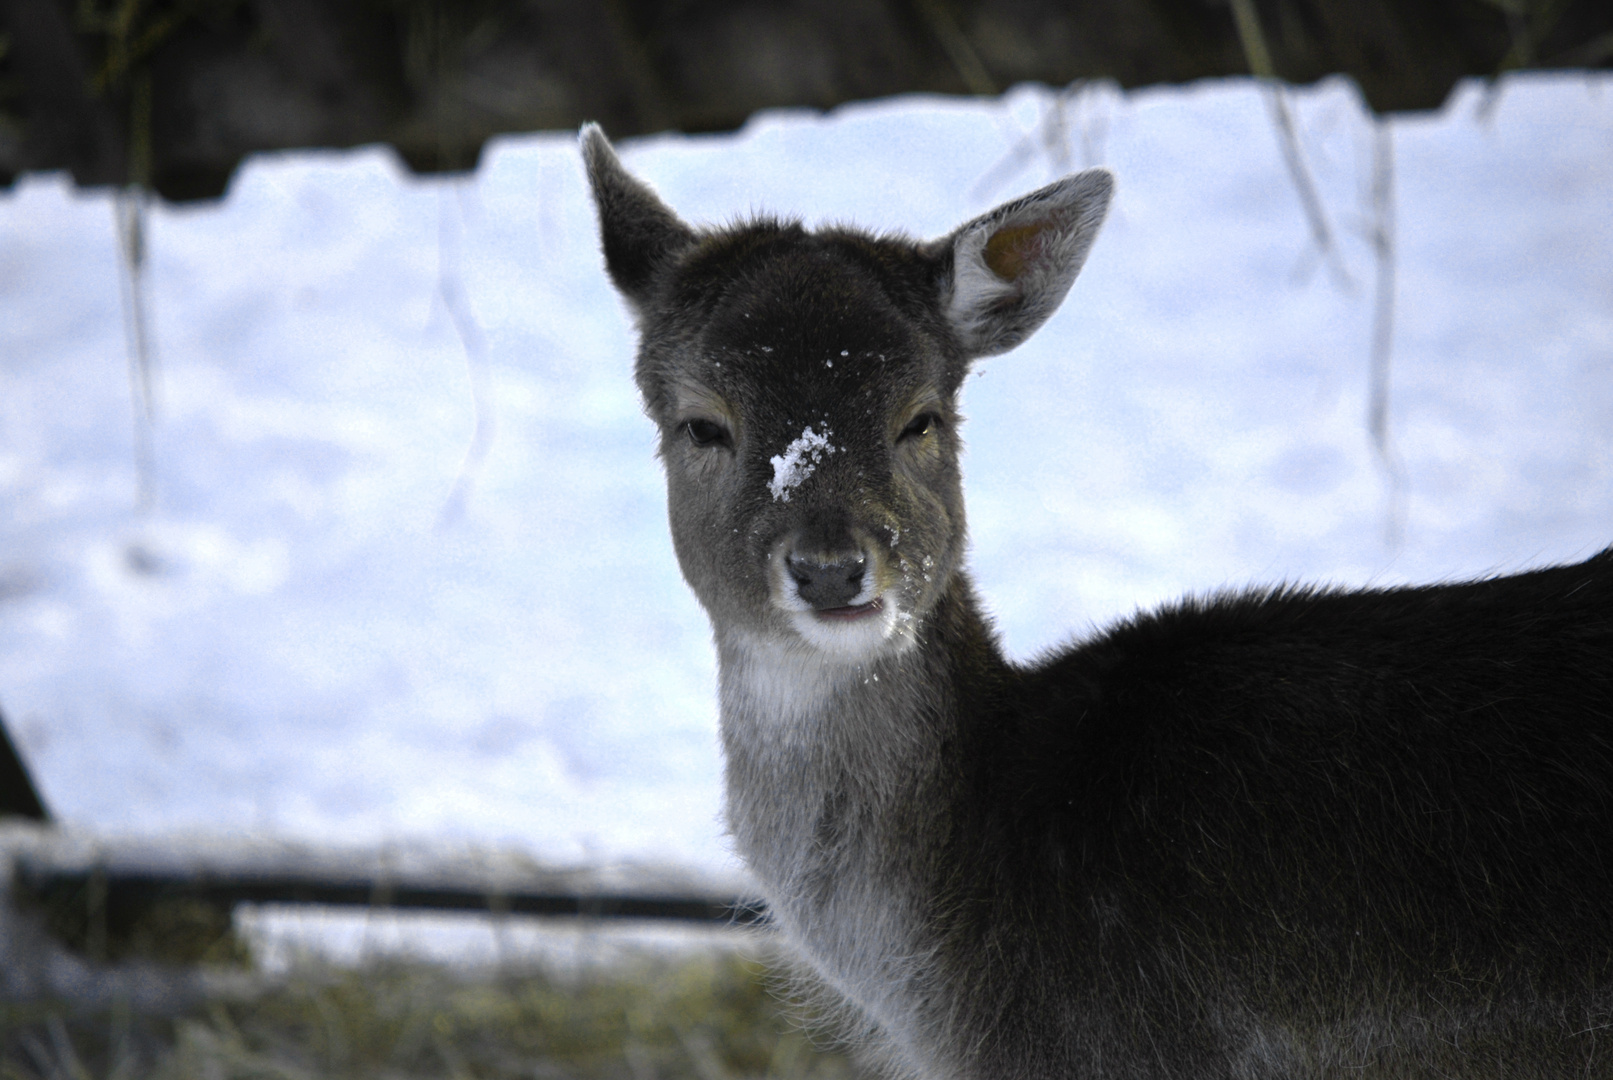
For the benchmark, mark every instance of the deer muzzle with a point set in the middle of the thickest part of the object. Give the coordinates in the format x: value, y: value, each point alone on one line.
x: 828, y: 582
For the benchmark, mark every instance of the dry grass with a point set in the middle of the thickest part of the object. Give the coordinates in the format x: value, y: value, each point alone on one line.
x: 706, y: 1016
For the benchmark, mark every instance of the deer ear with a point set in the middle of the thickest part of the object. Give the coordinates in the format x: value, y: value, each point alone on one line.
x: 1012, y: 266
x: 638, y: 231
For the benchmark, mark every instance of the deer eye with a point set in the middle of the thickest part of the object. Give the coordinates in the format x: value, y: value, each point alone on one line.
x: 920, y: 426
x: 706, y: 433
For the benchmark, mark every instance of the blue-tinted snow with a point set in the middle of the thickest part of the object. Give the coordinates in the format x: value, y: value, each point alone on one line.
x: 314, y: 650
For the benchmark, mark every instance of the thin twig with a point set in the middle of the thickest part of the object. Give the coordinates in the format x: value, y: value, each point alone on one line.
x: 1008, y: 165
x: 1258, y: 56
x: 66, y: 1055
x: 1593, y: 53
x: 1056, y: 132
x: 1485, y: 109
x: 1094, y: 131
x: 1288, y: 139
x: 1528, y: 30
x: 450, y: 287
x: 35, y: 1047
x: 958, y: 48
x: 1051, y: 137
x: 122, y: 1056
x: 1253, y: 39
x: 129, y: 215
x: 1529, y: 26
x: 1383, y: 317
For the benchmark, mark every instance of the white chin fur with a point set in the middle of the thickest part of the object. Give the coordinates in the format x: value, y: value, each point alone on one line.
x: 857, y: 640
x: 850, y: 641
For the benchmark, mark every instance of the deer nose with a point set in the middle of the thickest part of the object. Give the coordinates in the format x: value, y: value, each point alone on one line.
x: 827, y: 581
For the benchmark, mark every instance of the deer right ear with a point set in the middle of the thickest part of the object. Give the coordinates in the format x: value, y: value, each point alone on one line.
x: 639, y: 232
x: 1012, y: 266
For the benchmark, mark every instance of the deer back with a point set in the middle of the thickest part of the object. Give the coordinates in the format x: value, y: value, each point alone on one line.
x: 1277, y: 833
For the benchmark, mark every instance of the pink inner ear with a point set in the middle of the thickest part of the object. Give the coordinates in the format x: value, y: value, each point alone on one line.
x: 1011, y: 251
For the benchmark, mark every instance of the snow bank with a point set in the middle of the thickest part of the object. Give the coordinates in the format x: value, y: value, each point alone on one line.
x: 307, y: 638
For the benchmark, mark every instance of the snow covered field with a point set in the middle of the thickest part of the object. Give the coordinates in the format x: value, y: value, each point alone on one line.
x: 309, y: 635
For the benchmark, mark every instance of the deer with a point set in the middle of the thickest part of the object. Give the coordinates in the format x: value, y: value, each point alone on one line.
x: 1285, y: 832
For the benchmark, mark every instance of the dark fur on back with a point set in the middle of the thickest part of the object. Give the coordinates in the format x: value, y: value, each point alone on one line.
x: 1280, y: 834
x: 1312, y: 802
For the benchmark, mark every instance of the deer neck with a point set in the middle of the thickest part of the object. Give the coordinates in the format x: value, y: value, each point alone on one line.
x: 831, y: 764
x: 841, y: 780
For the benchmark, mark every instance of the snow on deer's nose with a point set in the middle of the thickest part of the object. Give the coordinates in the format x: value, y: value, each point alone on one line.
x: 799, y: 460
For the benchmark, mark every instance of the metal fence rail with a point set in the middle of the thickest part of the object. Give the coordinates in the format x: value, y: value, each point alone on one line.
x: 108, y: 898
x: 124, y: 894
x: 99, y: 920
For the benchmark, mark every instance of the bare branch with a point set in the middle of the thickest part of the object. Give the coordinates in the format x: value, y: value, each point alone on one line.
x: 450, y: 287
x: 129, y: 217
x: 1009, y: 164
x: 1310, y: 200
x: 1383, y: 316
x: 1055, y: 132
x: 1051, y: 137
x: 1253, y: 40
x: 1258, y: 56
x: 958, y: 48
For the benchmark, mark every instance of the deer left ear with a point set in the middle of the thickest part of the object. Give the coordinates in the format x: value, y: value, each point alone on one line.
x: 1012, y: 266
x: 639, y: 232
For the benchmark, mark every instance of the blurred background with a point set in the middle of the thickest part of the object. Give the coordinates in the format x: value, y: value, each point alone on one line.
x: 333, y: 561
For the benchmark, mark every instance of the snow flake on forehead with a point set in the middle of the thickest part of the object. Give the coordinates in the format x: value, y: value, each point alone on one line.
x: 799, y: 460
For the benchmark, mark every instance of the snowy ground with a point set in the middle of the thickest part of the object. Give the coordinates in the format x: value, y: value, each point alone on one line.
x: 308, y: 636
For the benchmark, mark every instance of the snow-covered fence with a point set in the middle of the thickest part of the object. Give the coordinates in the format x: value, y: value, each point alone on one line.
x: 98, y: 891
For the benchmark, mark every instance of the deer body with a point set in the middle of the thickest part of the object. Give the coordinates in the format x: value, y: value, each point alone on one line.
x: 1291, y: 833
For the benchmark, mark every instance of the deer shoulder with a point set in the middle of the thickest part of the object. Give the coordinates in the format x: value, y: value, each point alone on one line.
x: 1278, y: 833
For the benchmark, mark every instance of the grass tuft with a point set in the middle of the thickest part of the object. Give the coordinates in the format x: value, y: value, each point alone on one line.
x: 706, y: 1016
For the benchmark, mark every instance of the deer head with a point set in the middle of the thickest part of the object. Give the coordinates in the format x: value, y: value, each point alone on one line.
x: 805, y: 384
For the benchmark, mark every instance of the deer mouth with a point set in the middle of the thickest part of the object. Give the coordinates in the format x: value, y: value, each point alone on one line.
x: 853, y: 613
